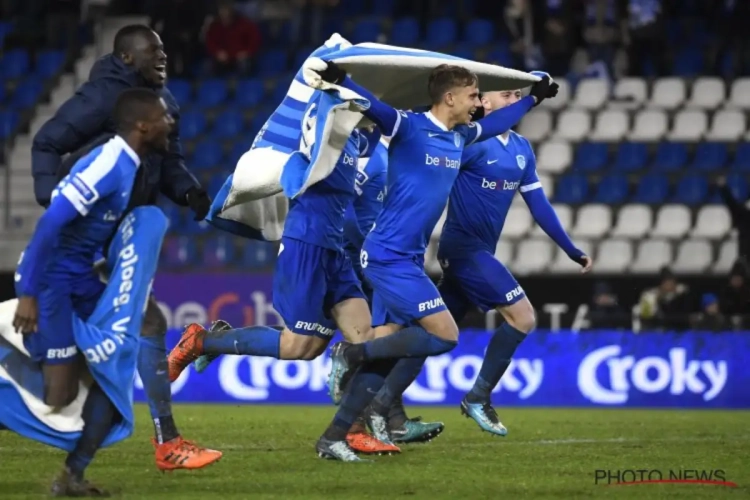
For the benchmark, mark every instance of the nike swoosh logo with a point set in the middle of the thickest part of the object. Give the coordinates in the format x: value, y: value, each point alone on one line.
x: 491, y: 162
x: 430, y: 134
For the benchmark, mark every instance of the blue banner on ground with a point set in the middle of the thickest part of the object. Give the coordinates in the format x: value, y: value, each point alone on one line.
x: 608, y: 368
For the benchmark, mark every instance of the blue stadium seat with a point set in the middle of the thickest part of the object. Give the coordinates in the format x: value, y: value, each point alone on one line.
x: 2, y: 93
x: 14, y: 64
x: 572, y: 188
x: 738, y: 185
x: 278, y: 95
x: 272, y: 62
x: 405, y: 31
x: 8, y: 123
x: 463, y: 50
x: 670, y: 156
x: 215, y: 184
x: 49, y: 63
x: 212, y: 92
x: 191, y: 227
x: 691, y: 190
x: 176, y: 216
x: 479, y: 32
x: 710, y: 156
x: 27, y: 94
x: 257, y: 122
x: 501, y: 56
x: 741, y: 161
x: 631, y: 156
x: 177, y: 252
x: 249, y: 93
x: 612, y: 189
x: 688, y: 62
x: 441, y: 32
x: 366, y: 30
x: 258, y: 255
x: 192, y: 124
x: 383, y: 8
x: 228, y: 124
x: 207, y: 155
x: 218, y: 251
x: 181, y: 90
x: 301, y: 56
x: 591, y: 156
x: 652, y: 188
x: 238, y: 149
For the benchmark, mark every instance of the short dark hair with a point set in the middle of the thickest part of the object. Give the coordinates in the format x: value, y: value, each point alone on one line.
x: 134, y: 105
x: 124, y: 37
x: 446, y: 77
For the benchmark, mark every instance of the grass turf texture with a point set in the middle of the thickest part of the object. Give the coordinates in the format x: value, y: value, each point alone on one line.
x: 549, y: 453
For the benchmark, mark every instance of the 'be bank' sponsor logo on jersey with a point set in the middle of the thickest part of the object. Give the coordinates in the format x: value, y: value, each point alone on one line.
x: 441, y: 162
x: 500, y: 185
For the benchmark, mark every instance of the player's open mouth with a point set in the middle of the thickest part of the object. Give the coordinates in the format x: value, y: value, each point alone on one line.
x: 161, y: 70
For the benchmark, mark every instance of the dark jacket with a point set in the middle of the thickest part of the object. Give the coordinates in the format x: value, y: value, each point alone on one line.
x: 85, y: 120
x: 740, y: 221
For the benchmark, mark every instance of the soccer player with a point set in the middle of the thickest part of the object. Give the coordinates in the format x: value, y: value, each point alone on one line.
x: 55, y: 280
x: 424, y: 160
x: 85, y: 121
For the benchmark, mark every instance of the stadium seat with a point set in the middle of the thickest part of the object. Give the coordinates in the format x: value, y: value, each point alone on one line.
x: 712, y: 222
x: 382, y: 8
x: 693, y: 257
x: 562, y: 264
x: 741, y: 161
x: 727, y: 125
x: 689, y: 125
x: 611, y: 125
x: 738, y: 185
x: 613, y: 256
x: 670, y: 157
x: 532, y: 256
x: 238, y: 149
x: 228, y: 124
x: 175, y: 215
x: 672, y: 222
x: 504, y: 251
x: 517, y: 223
x: 548, y: 184
x: 405, y: 32
x: 629, y: 93
x: 49, y: 63
x: 651, y: 256
x: 633, y: 221
x: 710, y: 156
x: 207, y: 155
x: 257, y: 254
x: 563, y: 96
x: 218, y: 251
x: 441, y: 32
x: 631, y: 156
x: 554, y: 157
x: 502, y: 56
x: 8, y: 123
x: 211, y: 93
x: 479, y: 32
x: 181, y: 90
x: 249, y: 93
x: 590, y: 156
x: 592, y: 221
x: 728, y: 253
x: 708, y: 93
x: 271, y: 62
x: 612, y: 189
x: 464, y: 51
x: 688, y: 62
x: 572, y: 188
x: 573, y: 125
x: 365, y: 30
x: 668, y: 93
x: 192, y: 124
x: 14, y: 64
x: 649, y: 125
x: 564, y: 214
x: 278, y: 94
x: 215, y: 184
x: 27, y: 94
x: 692, y: 189
x: 739, y: 95
x: 652, y: 188
x: 591, y: 94
x: 536, y: 126
x: 177, y: 252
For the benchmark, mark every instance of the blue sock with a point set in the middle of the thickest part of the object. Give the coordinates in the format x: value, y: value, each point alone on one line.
x: 252, y: 340
x: 404, y: 372
x: 411, y: 342
x: 364, y: 385
x: 98, y: 416
x: 152, y: 367
x: 503, y: 344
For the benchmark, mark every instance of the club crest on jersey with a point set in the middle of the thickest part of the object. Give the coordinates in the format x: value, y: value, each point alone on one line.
x: 521, y: 161
x: 457, y: 139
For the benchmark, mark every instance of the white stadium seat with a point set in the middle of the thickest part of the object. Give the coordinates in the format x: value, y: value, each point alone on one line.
x: 504, y: 251
x: 728, y: 253
x: 651, y: 256
x: 532, y: 256
x: 573, y: 125
x: 672, y: 221
x: 562, y: 263
x: 591, y: 93
x: 592, y: 221
x: 727, y: 125
x: 518, y: 222
x: 613, y: 256
x: 739, y: 96
x: 554, y: 157
x: 649, y: 125
x: 689, y: 126
x: 611, y: 125
x: 564, y: 213
x: 713, y: 222
x: 693, y: 256
x: 707, y: 93
x: 668, y: 93
x: 563, y: 96
x: 629, y: 93
x: 537, y: 125
x: 548, y: 185
x: 633, y: 221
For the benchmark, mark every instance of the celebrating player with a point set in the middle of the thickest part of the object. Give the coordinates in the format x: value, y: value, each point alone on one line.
x: 85, y: 209
x: 84, y: 121
x: 424, y: 160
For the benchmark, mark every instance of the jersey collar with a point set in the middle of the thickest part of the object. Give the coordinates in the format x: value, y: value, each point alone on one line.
x: 437, y: 122
x: 504, y: 141
x: 125, y: 147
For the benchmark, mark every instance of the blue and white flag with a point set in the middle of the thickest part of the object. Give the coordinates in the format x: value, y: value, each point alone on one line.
x: 252, y: 202
x: 109, y: 340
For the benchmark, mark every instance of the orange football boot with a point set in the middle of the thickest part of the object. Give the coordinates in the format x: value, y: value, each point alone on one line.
x: 361, y: 442
x: 180, y: 453
x: 187, y: 350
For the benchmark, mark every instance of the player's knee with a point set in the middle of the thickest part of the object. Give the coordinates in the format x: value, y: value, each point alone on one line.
x: 302, y: 347
x: 154, y: 321
x: 520, y: 315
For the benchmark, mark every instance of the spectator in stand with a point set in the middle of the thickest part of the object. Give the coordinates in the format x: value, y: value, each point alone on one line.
x: 644, y: 35
x: 232, y: 41
x: 600, y: 32
x: 519, y: 20
x: 63, y: 20
x: 735, y: 298
x: 178, y: 22
x: 740, y: 219
x: 730, y: 25
x: 668, y: 305
x: 557, y: 35
x: 605, y: 310
x: 710, y: 319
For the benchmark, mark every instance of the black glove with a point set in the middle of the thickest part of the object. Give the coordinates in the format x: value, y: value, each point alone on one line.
x: 332, y: 74
x: 199, y: 202
x: 542, y: 89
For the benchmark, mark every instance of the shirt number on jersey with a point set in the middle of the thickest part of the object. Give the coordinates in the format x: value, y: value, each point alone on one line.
x: 363, y: 259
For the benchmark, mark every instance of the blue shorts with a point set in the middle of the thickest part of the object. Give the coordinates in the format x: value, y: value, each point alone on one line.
x: 402, y: 291
x: 309, y: 280
x: 478, y: 280
x: 55, y: 343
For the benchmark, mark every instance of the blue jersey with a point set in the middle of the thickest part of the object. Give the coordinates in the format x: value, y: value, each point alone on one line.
x: 371, y: 188
x: 491, y: 173
x: 98, y: 187
x: 424, y: 158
